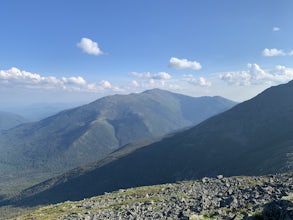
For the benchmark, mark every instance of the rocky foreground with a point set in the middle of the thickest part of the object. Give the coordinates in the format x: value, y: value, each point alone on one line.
x: 266, y: 197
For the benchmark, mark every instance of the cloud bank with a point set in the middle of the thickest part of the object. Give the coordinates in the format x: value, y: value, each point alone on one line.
x: 90, y: 47
x: 200, y: 81
x: 255, y: 75
x: 15, y: 78
x: 20, y: 82
x: 152, y: 76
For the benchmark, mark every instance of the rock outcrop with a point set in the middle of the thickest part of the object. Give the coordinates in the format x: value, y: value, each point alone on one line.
x: 265, y: 197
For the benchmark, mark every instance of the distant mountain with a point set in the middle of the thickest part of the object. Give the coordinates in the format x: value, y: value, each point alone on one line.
x: 10, y: 120
x: 38, y: 111
x: 252, y: 138
x: 84, y: 134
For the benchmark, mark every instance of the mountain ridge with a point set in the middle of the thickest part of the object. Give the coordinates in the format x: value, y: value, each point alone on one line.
x: 252, y: 138
x: 88, y: 133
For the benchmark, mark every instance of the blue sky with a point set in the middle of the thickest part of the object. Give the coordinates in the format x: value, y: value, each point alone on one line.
x: 80, y: 50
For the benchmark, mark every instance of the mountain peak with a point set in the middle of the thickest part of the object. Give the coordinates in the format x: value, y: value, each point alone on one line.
x: 155, y: 91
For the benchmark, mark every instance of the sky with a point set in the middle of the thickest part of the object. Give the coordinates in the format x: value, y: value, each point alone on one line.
x: 81, y: 50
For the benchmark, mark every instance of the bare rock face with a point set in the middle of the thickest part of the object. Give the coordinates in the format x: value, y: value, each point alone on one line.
x: 265, y: 197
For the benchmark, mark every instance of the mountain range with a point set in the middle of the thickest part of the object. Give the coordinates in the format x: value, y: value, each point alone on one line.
x: 10, y: 120
x: 252, y: 138
x: 38, y: 111
x: 88, y: 133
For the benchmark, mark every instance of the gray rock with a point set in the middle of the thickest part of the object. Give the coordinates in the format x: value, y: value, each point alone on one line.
x: 220, y: 177
x: 222, y: 198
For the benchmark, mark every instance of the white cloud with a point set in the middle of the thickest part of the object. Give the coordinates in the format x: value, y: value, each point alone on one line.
x: 273, y: 52
x: 237, y: 78
x: 162, y: 76
x: 255, y: 75
x: 150, y: 80
x: 276, y: 29
x: 74, y: 80
x: 134, y: 83
x: 184, y: 64
x: 276, y: 52
x: 201, y: 81
x: 106, y: 84
x: 284, y: 73
x: 164, y: 80
x: 153, y: 76
x: 90, y: 47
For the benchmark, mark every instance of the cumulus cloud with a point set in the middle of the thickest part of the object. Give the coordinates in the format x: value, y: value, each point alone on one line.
x: 134, y: 83
x: 273, y: 52
x: 147, y: 80
x: 200, y: 81
x: 153, y: 76
x: 255, y: 75
x: 284, y: 73
x: 203, y: 82
x: 164, y: 80
x: 184, y: 64
x: 74, y: 80
x: 106, y: 84
x: 276, y: 29
x: 276, y: 52
x: 90, y: 47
